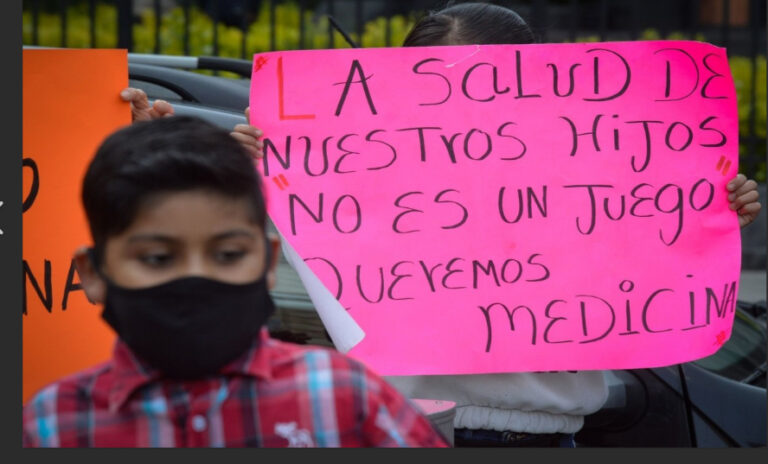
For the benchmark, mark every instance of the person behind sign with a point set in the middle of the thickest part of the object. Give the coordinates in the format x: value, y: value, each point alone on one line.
x: 518, y: 409
x: 182, y: 263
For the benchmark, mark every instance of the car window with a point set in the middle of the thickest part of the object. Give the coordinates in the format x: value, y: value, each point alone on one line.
x: 222, y: 118
x: 155, y: 91
x: 743, y: 356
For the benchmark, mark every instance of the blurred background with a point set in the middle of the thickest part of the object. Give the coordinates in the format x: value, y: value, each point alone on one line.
x: 240, y: 28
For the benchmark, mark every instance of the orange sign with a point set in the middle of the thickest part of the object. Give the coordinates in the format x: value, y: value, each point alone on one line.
x: 71, y: 103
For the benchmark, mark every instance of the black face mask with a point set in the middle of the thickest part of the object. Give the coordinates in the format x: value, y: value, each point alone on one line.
x: 190, y: 327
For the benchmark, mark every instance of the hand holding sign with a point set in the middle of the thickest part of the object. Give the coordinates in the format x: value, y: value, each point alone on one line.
x: 141, y: 110
x: 249, y: 136
x: 510, y: 208
x: 743, y: 198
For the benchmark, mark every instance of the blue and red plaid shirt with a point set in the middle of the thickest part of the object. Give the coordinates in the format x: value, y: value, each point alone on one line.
x: 275, y: 395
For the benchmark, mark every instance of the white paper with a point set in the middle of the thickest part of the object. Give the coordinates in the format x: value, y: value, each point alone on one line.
x: 343, y: 330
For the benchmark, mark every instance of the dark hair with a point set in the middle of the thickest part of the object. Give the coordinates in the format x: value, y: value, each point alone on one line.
x: 172, y: 154
x: 470, y: 23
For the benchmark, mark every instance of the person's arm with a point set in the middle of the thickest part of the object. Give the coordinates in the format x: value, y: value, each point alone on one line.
x: 744, y: 197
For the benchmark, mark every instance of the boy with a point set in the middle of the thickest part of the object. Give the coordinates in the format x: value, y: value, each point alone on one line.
x: 182, y: 264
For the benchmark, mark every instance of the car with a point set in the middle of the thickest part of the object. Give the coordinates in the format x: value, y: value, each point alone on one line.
x: 216, y: 99
x: 717, y: 401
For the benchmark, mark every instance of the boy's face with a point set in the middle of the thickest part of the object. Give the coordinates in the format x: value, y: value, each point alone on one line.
x: 183, y: 234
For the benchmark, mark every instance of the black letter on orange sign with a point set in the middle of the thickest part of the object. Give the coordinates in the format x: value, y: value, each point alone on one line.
x: 281, y: 96
x: 71, y: 286
x: 363, y: 79
x: 46, y: 299
x: 30, y: 163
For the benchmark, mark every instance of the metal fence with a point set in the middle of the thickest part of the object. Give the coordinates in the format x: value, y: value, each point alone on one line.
x: 738, y: 25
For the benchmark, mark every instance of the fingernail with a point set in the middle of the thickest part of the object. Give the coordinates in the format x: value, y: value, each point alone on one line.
x: 730, y: 186
x: 731, y: 197
x: 124, y: 93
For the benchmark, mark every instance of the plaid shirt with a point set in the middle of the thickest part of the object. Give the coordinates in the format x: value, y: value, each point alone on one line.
x: 275, y: 395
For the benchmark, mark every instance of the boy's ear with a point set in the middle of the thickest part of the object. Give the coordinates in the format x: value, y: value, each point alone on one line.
x: 94, y: 286
x: 273, y: 241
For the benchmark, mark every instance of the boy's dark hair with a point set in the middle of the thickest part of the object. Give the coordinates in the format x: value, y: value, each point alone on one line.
x: 470, y: 23
x: 172, y: 154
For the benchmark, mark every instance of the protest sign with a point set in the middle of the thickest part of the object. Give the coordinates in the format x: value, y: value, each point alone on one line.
x: 71, y: 102
x: 504, y: 208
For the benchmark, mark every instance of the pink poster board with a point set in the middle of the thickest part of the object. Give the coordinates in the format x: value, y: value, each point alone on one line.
x: 480, y: 209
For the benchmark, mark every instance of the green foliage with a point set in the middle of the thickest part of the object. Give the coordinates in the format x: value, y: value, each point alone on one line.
x: 230, y: 38
x: 316, y: 30
x: 78, y: 27
x: 742, y: 70
x: 257, y: 39
x: 375, y: 34
x: 588, y: 38
x: 650, y: 34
